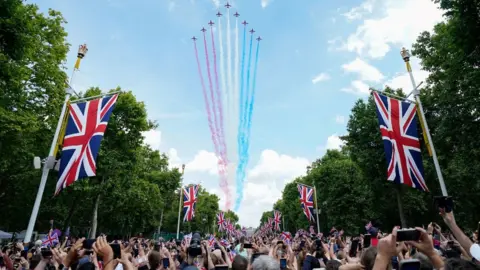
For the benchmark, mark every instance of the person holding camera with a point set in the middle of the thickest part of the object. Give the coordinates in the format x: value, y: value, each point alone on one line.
x: 198, y: 255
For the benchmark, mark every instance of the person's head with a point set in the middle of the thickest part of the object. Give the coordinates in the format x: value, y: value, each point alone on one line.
x: 86, y: 266
x: 239, y: 263
x: 242, y: 240
x: 368, y: 258
x: 425, y: 263
x: 460, y: 264
x: 265, y: 262
x: 154, y: 259
x: 333, y: 265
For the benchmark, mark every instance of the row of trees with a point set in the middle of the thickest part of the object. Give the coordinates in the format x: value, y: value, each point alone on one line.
x: 135, y: 189
x: 351, y: 185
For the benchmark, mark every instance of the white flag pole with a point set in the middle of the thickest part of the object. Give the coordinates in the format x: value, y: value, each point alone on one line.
x: 50, y: 161
x: 180, y: 202
x: 416, y: 93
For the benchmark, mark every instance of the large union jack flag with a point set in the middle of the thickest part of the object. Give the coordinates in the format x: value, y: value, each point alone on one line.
x: 277, y: 219
x: 398, y: 127
x: 189, y: 201
x: 87, y: 122
x: 221, y: 221
x: 306, y: 200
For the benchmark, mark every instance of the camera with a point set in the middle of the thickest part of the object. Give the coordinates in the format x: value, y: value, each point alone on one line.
x: 195, y: 248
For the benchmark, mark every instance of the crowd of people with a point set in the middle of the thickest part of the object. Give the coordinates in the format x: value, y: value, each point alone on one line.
x: 426, y: 248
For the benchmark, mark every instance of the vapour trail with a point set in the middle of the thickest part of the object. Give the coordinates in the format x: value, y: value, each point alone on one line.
x: 250, y: 106
x: 243, y: 160
x: 212, y: 94
x: 221, y: 135
x: 205, y: 98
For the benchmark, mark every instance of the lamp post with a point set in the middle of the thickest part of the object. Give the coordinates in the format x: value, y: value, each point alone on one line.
x: 205, y: 225
x: 50, y: 160
x: 416, y: 93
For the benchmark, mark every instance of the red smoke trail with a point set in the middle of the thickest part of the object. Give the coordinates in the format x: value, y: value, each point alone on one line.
x: 221, y: 132
x: 218, y: 139
x: 205, y: 97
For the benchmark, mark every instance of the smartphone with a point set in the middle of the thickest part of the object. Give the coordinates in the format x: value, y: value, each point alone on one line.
x: 46, y: 252
x: 116, y: 251
x: 178, y: 242
x: 221, y: 267
x: 283, y: 263
x: 353, y: 248
x: 166, y: 263
x: 411, y: 264
x: 367, y: 239
x: 247, y: 245
x: 302, y: 243
x: 444, y: 202
x: 408, y: 235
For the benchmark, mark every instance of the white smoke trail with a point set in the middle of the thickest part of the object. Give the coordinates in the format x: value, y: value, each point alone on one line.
x: 231, y: 99
x: 225, y: 96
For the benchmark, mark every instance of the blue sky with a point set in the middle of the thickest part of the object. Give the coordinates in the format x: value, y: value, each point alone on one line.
x: 347, y: 45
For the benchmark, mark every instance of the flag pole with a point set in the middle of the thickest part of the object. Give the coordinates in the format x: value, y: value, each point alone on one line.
x: 50, y: 161
x: 316, y: 208
x: 416, y: 93
x: 180, y: 202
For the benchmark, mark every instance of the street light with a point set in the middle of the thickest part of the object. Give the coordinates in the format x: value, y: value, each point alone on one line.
x: 205, y: 225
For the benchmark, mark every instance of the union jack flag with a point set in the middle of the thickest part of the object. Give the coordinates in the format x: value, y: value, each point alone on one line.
x: 189, y: 201
x: 306, y: 200
x: 287, y: 237
x: 221, y: 221
x: 211, y: 241
x: 276, y: 219
x: 87, y: 122
x: 398, y: 127
x: 50, y: 240
x: 270, y: 223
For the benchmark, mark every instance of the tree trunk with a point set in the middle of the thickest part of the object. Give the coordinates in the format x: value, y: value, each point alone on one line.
x: 398, y: 192
x: 66, y: 223
x: 161, y: 220
x: 93, y: 232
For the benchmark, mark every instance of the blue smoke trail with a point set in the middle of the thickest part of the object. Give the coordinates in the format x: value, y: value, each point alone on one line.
x: 242, y: 98
x: 252, y: 101
x: 243, y: 159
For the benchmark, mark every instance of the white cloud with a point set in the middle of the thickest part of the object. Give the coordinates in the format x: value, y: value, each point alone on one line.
x: 358, y: 12
x: 320, y: 78
x: 203, y: 161
x: 402, y: 80
x: 358, y: 88
x: 265, y: 3
x: 340, y: 119
x: 153, y: 138
x: 395, y: 26
x: 263, y: 185
x: 334, y: 142
x: 366, y: 71
x: 216, y: 3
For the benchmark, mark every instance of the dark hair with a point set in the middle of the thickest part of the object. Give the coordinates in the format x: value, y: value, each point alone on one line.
x: 459, y: 264
x: 154, y: 259
x: 239, y: 263
x: 86, y: 266
x: 333, y: 265
x: 368, y: 258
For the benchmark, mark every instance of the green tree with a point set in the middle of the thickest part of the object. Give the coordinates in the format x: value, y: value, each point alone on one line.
x: 341, y: 188
x: 265, y: 216
x: 450, y: 98
x: 232, y: 216
x: 33, y: 50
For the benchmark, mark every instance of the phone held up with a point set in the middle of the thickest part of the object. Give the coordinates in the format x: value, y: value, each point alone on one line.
x: 283, y: 263
x: 445, y: 202
x: 367, y: 239
x: 408, y: 235
x: 166, y: 263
